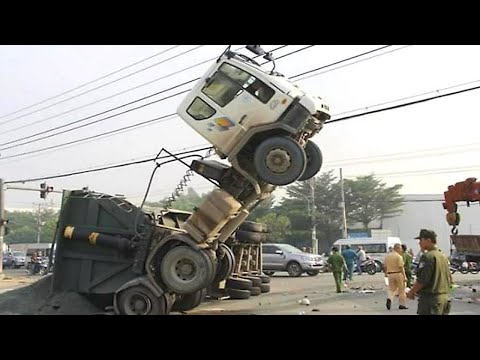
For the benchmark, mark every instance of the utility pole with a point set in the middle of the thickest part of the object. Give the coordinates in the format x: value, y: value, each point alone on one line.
x: 39, y: 224
x: 2, y: 224
x: 312, y: 214
x: 342, y: 204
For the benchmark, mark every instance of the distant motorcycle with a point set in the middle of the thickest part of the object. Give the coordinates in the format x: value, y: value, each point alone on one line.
x: 40, y: 267
x: 369, y: 266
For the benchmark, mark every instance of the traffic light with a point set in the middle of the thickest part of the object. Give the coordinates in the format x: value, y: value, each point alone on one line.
x: 44, y: 190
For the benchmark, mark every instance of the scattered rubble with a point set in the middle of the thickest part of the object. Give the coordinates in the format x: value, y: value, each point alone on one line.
x: 304, y: 301
x: 35, y: 299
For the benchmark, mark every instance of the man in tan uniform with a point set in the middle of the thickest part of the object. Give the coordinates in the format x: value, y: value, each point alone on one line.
x: 395, y: 271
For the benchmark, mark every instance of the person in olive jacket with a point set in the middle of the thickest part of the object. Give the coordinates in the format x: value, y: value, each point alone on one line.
x: 434, y: 279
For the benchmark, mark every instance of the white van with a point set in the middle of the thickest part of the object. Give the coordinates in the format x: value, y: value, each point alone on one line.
x: 376, y: 248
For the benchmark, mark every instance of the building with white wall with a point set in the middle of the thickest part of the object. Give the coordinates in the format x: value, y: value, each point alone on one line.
x: 419, y: 213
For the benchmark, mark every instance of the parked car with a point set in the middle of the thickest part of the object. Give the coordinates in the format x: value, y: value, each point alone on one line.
x: 18, y: 259
x: 285, y: 257
x: 8, y: 260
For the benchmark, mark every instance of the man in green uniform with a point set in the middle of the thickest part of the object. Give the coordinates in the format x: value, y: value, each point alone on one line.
x: 337, y: 264
x: 434, y: 279
x: 407, y: 260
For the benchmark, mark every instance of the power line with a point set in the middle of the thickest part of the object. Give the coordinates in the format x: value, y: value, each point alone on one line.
x: 201, y: 146
x: 409, y: 97
x: 92, y: 122
x: 112, y: 96
x: 161, y: 118
x: 340, y: 61
x: 115, y: 108
x: 103, y: 85
x: 92, y: 81
x: 107, y: 167
x: 402, y: 105
x: 400, y: 155
x: 355, y: 62
x: 327, y: 122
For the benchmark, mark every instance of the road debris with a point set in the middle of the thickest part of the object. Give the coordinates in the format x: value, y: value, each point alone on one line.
x: 304, y: 301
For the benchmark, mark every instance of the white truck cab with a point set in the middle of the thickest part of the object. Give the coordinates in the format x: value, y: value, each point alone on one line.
x: 257, y: 118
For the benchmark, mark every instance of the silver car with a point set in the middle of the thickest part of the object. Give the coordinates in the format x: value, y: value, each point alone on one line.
x: 18, y: 259
x: 285, y: 257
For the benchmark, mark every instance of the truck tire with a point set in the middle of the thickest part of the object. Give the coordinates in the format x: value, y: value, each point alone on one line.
x: 140, y: 300
x: 255, y: 291
x: 250, y: 237
x: 314, y: 161
x: 256, y: 281
x: 253, y: 227
x: 237, y: 293
x: 187, y: 302
x: 265, y: 288
x: 265, y: 278
x: 279, y: 160
x: 185, y: 270
x: 239, y: 284
x: 225, y: 265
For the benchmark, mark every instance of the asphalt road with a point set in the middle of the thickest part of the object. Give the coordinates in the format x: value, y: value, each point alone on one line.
x: 365, y: 295
x: 320, y: 290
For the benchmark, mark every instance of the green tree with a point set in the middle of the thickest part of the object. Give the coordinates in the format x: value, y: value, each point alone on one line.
x: 278, y: 226
x: 262, y: 209
x: 368, y: 199
x: 186, y: 202
x: 328, y: 216
x: 23, y: 226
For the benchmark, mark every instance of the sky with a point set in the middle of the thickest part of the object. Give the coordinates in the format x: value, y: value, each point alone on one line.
x: 424, y: 147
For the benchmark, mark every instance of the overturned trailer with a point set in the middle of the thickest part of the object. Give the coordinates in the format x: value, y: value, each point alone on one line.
x: 112, y: 252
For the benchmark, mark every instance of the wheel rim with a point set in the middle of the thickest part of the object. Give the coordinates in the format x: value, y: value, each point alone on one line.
x: 278, y: 161
x: 185, y: 269
x: 138, y: 304
x: 293, y: 269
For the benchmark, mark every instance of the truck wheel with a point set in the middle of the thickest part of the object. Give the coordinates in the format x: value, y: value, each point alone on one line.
x: 249, y: 236
x: 140, y: 300
x: 189, y: 301
x: 265, y: 288
x: 314, y: 161
x: 279, y: 160
x: 186, y: 270
x: 255, y: 291
x: 253, y: 227
x: 294, y: 269
x: 237, y: 293
x: 239, y: 284
x: 225, y: 265
x: 256, y: 281
x: 265, y: 278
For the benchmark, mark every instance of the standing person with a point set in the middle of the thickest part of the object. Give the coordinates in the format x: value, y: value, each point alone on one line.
x: 361, y: 257
x: 434, y: 279
x: 349, y: 256
x: 407, y: 260
x: 395, y: 271
x: 337, y: 264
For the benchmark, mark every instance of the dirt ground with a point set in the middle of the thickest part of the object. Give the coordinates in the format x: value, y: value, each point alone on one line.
x: 33, y: 299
